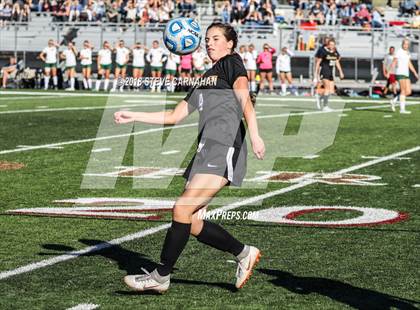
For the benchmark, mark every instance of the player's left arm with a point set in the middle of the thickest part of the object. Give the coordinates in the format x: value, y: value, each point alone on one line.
x: 340, y: 70
x: 412, y: 69
x: 240, y: 88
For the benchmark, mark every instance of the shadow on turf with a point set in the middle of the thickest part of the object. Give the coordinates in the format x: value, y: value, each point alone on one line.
x: 130, y: 261
x: 127, y: 260
x: 356, y: 297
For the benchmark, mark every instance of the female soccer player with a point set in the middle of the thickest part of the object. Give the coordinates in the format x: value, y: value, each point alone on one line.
x: 156, y: 57
x: 327, y: 60
x: 171, y: 68
x: 221, y: 144
x: 104, y: 65
x: 198, y: 58
x: 122, y: 57
x: 265, y: 61
x: 49, y: 57
x: 283, y: 69
x: 138, y: 60
x: 69, y: 55
x: 85, y: 57
x: 251, y: 66
x: 403, y: 65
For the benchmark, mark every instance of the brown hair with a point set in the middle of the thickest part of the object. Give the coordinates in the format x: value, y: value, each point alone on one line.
x: 228, y: 31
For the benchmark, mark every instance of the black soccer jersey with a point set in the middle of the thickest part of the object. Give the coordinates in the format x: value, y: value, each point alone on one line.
x: 328, y: 59
x: 220, y: 112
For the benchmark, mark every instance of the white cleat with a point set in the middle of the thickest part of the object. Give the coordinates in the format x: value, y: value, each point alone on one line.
x: 405, y: 112
x: 149, y: 281
x: 245, y: 266
x: 70, y: 89
x: 318, y: 102
x: 327, y: 109
x: 392, y: 102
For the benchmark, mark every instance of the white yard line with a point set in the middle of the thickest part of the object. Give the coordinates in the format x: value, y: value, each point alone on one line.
x: 105, y: 149
x: 310, y: 156
x: 170, y: 152
x: 148, y: 95
x: 45, y: 109
x: 46, y: 146
x: 32, y: 97
x: 84, y: 307
x: 150, y: 231
x: 374, y: 157
x: 158, y: 129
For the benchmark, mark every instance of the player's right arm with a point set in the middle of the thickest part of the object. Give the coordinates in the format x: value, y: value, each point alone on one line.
x: 317, y: 67
x: 41, y: 56
x: 384, y: 70
x: 169, y: 117
x: 98, y: 62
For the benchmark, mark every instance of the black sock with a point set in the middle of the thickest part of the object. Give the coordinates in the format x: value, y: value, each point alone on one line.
x: 326, y: 97
x: 216, y: 237
x: 175, y: 241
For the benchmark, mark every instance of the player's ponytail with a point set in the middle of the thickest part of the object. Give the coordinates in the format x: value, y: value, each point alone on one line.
x: 228, y: 31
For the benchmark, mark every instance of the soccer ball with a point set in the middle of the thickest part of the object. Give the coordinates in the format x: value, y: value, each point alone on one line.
x: 182, y: 35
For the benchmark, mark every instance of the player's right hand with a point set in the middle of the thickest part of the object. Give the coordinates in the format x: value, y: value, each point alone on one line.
x: 124, y: 117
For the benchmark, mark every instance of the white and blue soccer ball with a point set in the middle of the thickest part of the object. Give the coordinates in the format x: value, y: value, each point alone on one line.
x: 182, y: 35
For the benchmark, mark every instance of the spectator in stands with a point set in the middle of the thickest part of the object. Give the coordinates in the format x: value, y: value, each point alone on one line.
x: 8, y: 70
x: 265, y: 62
x: 61, y: 14
x: 75, y: 10
x: 16, y: 11
x: 407, y: 7
x: 99, y: 10
x: 187, y: 8
x: 226, y: 11
x: 331, y: 14
x: 26, y: 11
x: 131, y: 12
x: 317, y: 13
x: 87, y: 12
x: 299, y: 16
x: 6, y: 15
x: 346, y: 13
x: 267, y: 14
x: 153, y: 14
x: 377, y: 21
x: 362, y: 16
x: 164, y: 12
x: 144, y: 16
x: 415, y: 22
x: 238, y: 14
x: 112, y: 13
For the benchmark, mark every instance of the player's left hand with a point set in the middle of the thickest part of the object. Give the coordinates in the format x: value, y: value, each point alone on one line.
x: 258, y: 147
x: 341, y: 76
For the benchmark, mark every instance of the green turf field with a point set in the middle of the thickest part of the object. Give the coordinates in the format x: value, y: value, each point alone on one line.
x: 370, y: 159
